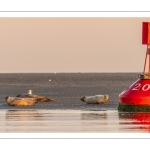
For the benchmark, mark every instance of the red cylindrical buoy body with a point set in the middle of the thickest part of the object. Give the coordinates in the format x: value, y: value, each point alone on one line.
x: 138, y: 93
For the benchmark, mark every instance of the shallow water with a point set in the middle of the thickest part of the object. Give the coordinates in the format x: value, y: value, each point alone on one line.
x: 72, y: 121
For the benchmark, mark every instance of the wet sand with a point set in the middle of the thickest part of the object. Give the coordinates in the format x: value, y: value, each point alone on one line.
x: 66, y: 89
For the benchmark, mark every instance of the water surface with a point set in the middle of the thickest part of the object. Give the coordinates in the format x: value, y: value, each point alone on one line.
x: 73, y: 121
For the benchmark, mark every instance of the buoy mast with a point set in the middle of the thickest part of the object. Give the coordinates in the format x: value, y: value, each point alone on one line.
x: 146, y: 40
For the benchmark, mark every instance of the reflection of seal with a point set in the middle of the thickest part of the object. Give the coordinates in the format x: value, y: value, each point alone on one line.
x: 16, y: 101
x: 25, y: 115
x: 39, y: 98
x: 94, y: 116
x: 100, y: 99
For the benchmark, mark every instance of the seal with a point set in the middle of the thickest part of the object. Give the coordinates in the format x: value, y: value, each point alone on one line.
x: 97, y: 99
x: 39, y: 98
x: 16, y: 101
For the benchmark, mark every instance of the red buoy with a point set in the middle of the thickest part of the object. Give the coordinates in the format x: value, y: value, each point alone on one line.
x: 138, y: 94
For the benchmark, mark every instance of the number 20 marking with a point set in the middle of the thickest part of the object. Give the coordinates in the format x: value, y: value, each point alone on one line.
x: 137, y: 86
x: 146, y: 87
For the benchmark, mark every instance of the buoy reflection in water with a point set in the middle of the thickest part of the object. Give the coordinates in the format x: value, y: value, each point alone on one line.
x: 136, y: 120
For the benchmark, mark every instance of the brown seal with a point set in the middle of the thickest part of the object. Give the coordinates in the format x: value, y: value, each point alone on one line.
x: 39, y: 98
x: 16, y: 101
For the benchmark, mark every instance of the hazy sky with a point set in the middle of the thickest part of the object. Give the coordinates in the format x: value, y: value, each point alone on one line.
x: 71, y: 44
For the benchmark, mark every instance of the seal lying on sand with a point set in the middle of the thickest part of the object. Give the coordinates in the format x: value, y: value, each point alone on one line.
x: 39, y: 98
x: 100, y: 99
x: 16, y: 101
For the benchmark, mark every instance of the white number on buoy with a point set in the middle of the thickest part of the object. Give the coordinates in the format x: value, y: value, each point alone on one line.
x: 146, y: 87
x: 137, y: 86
